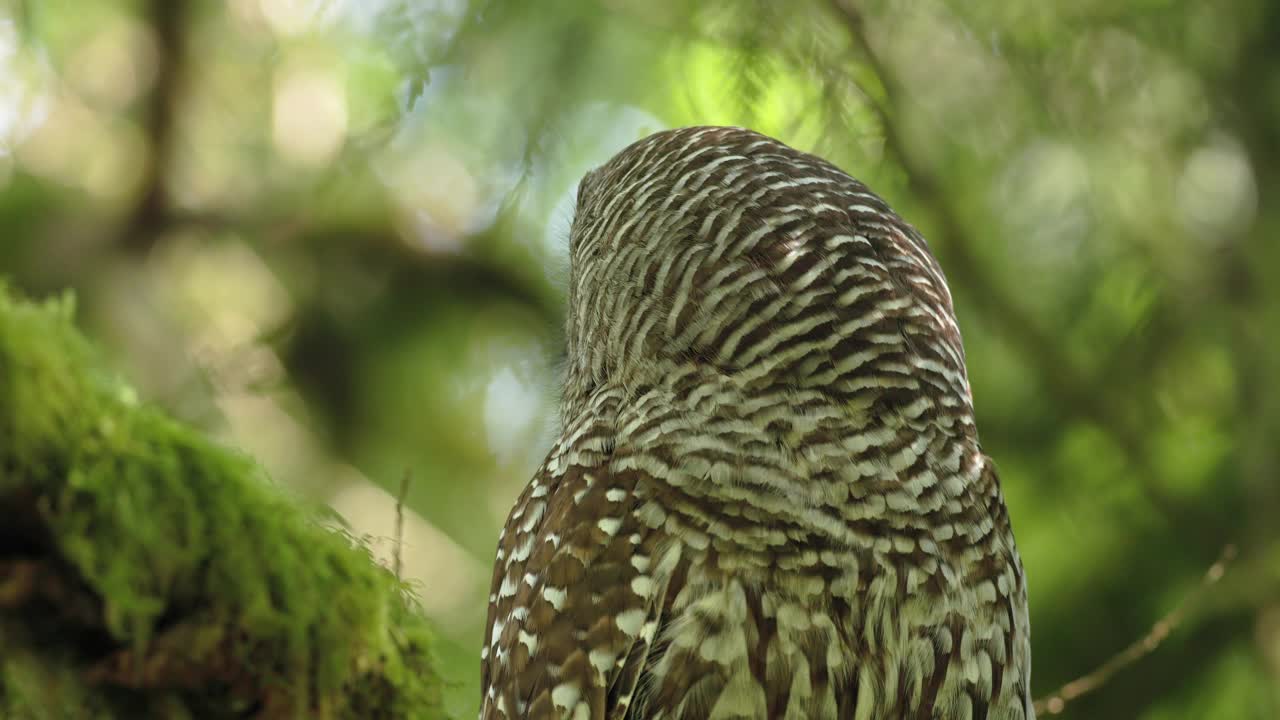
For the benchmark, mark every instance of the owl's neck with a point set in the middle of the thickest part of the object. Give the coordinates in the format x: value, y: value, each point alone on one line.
x: 783, y: 466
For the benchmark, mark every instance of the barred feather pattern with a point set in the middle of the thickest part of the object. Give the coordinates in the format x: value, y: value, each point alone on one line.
x: 768, y: 499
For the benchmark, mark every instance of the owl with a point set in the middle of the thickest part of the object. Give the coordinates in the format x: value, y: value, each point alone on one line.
x: 767, y: 498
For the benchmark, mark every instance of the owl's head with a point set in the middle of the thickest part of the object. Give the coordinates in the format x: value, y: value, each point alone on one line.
x: 727, y: 249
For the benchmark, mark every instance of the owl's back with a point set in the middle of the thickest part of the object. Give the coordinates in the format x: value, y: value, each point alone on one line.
x: 768, y: 499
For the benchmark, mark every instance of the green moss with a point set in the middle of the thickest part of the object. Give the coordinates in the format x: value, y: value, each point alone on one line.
x: 145, y: 570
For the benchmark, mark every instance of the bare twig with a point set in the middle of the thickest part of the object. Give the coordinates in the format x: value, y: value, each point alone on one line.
x: 404, y: 492
x: 1057, y: 701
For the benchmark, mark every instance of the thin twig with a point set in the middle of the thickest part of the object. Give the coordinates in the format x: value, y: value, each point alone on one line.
x: 1056, y: 702
x: 404, y: 492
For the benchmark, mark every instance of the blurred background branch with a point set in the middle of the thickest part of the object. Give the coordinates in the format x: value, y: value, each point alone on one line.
x: 1055, y: 703
x: 1069, y: 386
x: 149, y: 219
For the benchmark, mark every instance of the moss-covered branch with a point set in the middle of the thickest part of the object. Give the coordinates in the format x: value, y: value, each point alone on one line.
x: 147, y: 572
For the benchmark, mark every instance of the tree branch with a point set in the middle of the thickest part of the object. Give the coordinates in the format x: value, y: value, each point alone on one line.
x: 144, y: 226
x: 1074, y: 391
x: 1056, y: 701
x: 145, y: 571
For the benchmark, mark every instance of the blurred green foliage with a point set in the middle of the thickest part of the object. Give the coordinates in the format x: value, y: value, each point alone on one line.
x: 332, y: 232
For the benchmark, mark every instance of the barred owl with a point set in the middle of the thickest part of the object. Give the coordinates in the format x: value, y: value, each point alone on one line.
x: 768, y: 499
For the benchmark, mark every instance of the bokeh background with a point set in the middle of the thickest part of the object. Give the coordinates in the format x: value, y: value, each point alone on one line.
x: 333, y: 234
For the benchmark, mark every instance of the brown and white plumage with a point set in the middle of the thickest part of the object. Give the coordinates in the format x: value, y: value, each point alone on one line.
x: 768, y: 499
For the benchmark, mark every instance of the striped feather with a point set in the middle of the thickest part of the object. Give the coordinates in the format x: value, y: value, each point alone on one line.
x: 768, y: 499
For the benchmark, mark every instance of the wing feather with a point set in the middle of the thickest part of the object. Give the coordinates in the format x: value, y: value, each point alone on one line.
x: 573, y: 607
